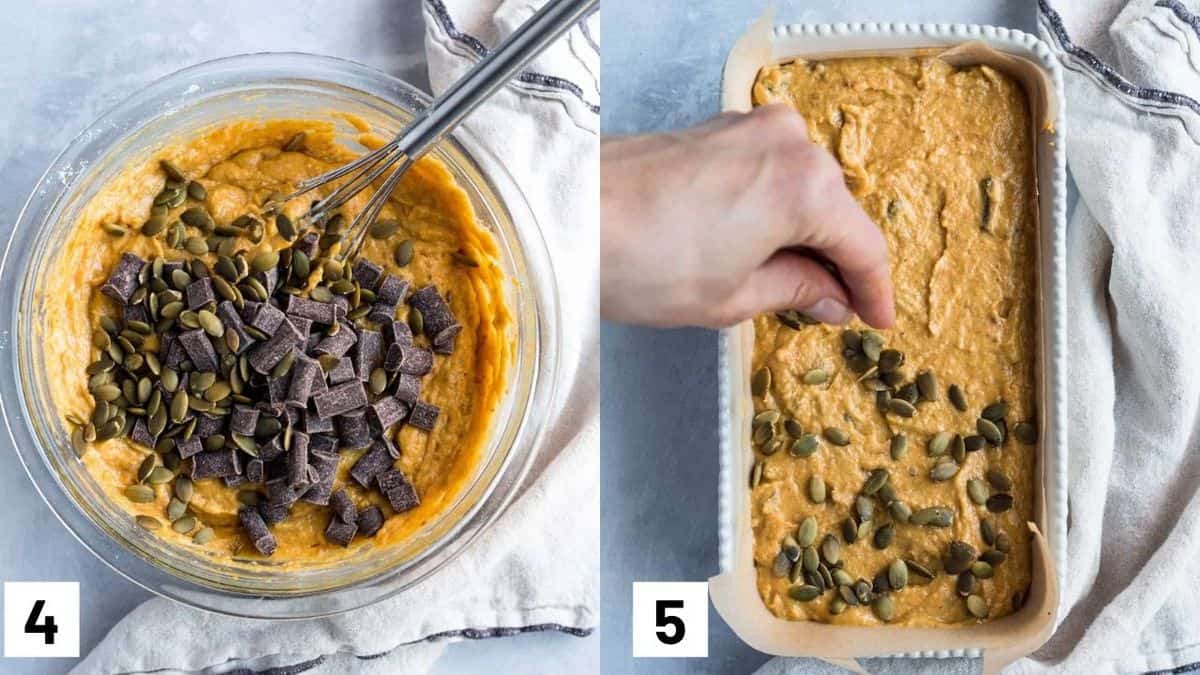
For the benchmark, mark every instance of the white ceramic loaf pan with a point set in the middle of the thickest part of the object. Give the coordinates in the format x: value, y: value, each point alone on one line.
x: 733, y: 591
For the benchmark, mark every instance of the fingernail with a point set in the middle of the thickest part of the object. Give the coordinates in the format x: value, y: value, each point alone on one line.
x: 828, y: 311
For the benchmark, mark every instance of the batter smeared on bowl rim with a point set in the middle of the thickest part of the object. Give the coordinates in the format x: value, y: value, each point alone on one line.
x: 894, y: 469
x: 240, y: 392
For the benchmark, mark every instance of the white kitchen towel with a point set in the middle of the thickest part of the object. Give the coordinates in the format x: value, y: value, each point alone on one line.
x: 537, y: 568
x: 1131, y: 600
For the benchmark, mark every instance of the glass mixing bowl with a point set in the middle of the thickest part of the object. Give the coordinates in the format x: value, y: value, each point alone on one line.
x: 179, y: 106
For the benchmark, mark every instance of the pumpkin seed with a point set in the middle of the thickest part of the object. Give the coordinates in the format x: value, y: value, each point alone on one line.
x: 147, y: 465
x: 988, y: 532
x: 890, y: 360
x: 806, y: 533
x: 1000, y: 502
x: 899, y: 406
x: 876, y: 480
x: 927, y: 385
x: 384, y: 228
x: 884, y: 536
x: 295, y: 143
x: 884, y: 608
x: 940, y: 443
x: 176, y: 509
x: 781, y: 566
x: 140, y: 494
x: 804, y: 446
x: 944, y: 470
x: 804, y: 593
x: 872, y: 345
x: 107, y: 392
x: 762, y: 434
x: 816, y: 489
x: 959, y: 556
x: 218, y: 392
x: 148, y: 522
x: 837, y: 436
x: 965, y: 584
x: 831, y: 549
x: 179, y: 407
x: 847, y: 595
x: 756, y: 474
x: 901, y: 512
x: 862, y: 590
x: 899, y: 446
x: 973, y: 443
x: 897, y: 574
x: 172, y: 171
x: 196, y: 245
x: 933, y: 516
x: 995, y: 411
x: 773, y: 446
x: 1026, y: 433
x: 837, y: 606
x: 159, y: 475
x: 1003, y: 543
x: 849, y: 530
x: 790, y: 318
x: 759, y: 383
x: 989, y: 430
x: 793, y: 428
x: 977, y: 606
x: 957, y: 397
x: 852, y: 340
x: 204, y: 535
x: 809, y: 560
x: 993, y: 557
x: 982, y: 570
x: 816, y: 376
x: 184, y: 525
x: 998, y: 480
x: 918, y: 570
x: 284, y: 226
x: 978, y: 491
x: 300, y: 265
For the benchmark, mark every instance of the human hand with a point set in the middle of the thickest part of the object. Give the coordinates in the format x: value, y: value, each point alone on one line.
x: 718, y: 223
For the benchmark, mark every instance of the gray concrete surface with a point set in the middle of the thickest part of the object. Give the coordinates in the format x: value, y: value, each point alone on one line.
x: 662, y: 69
x: 61, y: 64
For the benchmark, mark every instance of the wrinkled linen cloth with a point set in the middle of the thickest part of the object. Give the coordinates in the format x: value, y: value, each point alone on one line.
x: 537, y: 567
x: 1130, y: 600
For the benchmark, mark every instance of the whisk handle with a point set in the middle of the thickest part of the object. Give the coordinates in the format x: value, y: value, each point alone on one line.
x: 492, y: 72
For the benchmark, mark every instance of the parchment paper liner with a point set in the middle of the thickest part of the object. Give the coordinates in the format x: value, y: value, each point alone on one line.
x: 734, y: 592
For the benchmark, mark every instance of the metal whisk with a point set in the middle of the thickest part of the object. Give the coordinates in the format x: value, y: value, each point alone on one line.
x: 484, y: 79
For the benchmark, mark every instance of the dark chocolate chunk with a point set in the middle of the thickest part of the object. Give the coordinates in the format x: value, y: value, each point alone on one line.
x: 434, y: 310
x: 337, y: 344
x: 416, y: 361
x: 315, y: 424
x: 369, y: 521
x: 140, y: 434
x: 393, y: 357
x: 353, y: 430
x: 254, y: 471
x: 189, y: 447
x: 176, y: 354
x: 387, y: 411
x: 291, y: 417
x: 215, y: 464
x: 199, y: 350
x: 319, y: 312
x: 277, y: 392
x: 280, y: 491
x: 200, y: 293
x: 272, y: 449
x: 323, y: 468
x: 424, y: 415
x: 397, y: 332
x: 124, y: 278
x: 391, y: 290
x: 303, y: 326
x: 443, y: 342
x: 399, y: 492
x: 308, y: 245
x: 207, y: 425
x: 342, y: 372
x: 340, y: 531
x: 267, y: 318
x: 322, y: 443
x: 392, y: 448
x: 382, y: 312
x: 408, y: 389
x: 366, y: 273
x: 342, y: 506
x: 373, y: 462
x: 274, y: 512
x: 304, y: 372
x: 233, y: 481
x: 256, y: 530
x: 229, y: 316
x: 341, y: 399
x: 249, y: 310
x: 298, y: 460
x: 266, y: 355
x: 368, y: 353
x: 244, y: 420
x: 136, y: 313
x: 269, y: 280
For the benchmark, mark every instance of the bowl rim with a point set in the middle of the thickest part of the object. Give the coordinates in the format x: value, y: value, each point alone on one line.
x: 63, y: 176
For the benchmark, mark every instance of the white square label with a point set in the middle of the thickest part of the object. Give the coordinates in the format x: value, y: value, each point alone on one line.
x: 670, y: 619
x: 41, y: 619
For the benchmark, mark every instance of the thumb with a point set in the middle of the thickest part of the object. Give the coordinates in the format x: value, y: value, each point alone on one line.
x: 790, y: 280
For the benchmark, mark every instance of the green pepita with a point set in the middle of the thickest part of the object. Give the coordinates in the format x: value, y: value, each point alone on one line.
x: 836, y: 436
